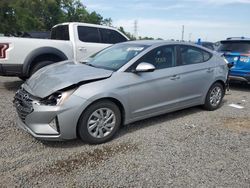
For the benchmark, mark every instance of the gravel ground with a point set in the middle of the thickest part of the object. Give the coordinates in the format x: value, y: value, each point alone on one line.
x: 188, y: 148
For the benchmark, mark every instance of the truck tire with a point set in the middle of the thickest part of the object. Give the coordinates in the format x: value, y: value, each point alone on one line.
x: 39, y: 66
x: 23, y: 78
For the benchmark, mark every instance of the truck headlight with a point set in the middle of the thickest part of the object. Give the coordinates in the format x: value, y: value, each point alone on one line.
x: 57, y: 98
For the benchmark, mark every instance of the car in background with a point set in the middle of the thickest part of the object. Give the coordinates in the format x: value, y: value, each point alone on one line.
x: 121, y: 84
x: 237, y: 52
x: 209, y: 45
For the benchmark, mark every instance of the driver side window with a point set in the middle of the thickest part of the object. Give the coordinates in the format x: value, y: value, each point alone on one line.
x: 161, y: 57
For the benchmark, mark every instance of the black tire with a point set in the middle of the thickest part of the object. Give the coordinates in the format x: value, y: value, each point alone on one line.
x: 83, y: 127
x: 23, y: 78
x: 216, y: 103
x: 40, y: 65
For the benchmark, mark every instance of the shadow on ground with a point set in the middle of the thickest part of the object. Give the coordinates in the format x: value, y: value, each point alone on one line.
x: 137, y: 126
x: 237, y: 86
x: 12, y: 85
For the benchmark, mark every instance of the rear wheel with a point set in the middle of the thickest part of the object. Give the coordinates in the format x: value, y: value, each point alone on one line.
x: 39, y: 66
x: 214, y: 97
x: 99, y: 122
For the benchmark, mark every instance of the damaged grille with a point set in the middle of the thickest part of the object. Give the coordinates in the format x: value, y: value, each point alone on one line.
x: 23, y: 103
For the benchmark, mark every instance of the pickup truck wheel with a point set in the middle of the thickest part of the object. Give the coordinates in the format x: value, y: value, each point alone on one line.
x: 40, y: 65
x: 23, y: 78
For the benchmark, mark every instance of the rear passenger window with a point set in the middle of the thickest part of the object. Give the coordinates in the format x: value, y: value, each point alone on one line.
x: 111, y: 37
x: 88, y: 34
x: 206, y: 56
x: 60, y: 32
x: 192, y: 55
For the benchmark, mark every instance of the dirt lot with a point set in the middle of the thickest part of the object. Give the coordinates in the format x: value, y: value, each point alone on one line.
x: 188, y: 148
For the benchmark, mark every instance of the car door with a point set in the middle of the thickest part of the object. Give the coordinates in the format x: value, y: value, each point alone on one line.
x: 88, y: 43
x: 196, y: 74
x: 155, y: 92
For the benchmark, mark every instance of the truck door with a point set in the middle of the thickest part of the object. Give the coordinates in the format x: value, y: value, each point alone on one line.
x: 88, y: 42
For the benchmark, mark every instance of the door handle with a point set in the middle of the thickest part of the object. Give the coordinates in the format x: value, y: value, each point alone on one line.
x: 82, y: 49
x: 175, y: 77
x: 210, y: 70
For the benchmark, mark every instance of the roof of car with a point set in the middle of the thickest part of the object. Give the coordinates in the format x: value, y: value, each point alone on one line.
x: 85, y: 24
x: 157, y: 42
x: 164, y: 42
x: 236, y: 39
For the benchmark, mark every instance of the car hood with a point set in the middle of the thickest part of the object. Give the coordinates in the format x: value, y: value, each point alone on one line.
x: 62, y: 75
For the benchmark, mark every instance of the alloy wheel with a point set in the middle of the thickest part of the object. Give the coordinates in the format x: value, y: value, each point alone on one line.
x: 101, y: 122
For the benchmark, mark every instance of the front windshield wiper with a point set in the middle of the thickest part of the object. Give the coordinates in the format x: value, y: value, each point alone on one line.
x: 89, y: 64
x: 100, y: 67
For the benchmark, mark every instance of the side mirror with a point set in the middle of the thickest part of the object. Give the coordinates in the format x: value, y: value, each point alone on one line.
x: 230, y: 65
x: 145, y: 67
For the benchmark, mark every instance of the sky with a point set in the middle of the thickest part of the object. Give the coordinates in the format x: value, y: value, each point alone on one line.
x: 210, y: 20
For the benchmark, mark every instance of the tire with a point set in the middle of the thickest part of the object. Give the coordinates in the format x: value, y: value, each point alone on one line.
x: 23, y: 78
x: 39, y: 66
x: 92, y: 127
x: 214, y: 97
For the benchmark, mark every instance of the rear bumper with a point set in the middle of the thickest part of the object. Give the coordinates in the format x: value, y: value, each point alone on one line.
x: 11, y: 70
x: 240, y: 78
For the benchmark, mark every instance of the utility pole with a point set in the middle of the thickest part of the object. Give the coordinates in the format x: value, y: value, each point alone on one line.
x: 182, y: 33
x: 136, y: 29
x: 190, y: 37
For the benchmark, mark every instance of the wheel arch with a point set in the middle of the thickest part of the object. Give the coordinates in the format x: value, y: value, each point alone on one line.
x: 42, y: 54
x: 222, y: 83
x: 217, y: 81
x: 112, y: 99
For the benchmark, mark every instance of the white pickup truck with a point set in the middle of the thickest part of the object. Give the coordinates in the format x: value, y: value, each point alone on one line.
x: 23, y: 56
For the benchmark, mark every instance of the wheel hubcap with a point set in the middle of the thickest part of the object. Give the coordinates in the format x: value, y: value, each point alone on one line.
x: 215, y: 96
x: 101, y: 122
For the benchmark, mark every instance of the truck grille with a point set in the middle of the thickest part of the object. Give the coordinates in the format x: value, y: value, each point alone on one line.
x: 23, y: 103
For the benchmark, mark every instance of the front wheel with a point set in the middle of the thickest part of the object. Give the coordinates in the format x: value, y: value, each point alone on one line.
x: 99, y: 122
x: 214, y: 97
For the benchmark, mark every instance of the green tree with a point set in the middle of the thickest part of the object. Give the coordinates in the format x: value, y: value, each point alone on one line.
x: 28, y: 15
x: 129, y: 35
x: 74, y: 11
x: 7, y: 17
x: 107, y: 22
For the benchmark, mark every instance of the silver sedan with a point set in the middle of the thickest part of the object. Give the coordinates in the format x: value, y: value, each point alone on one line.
x: 124, y: 83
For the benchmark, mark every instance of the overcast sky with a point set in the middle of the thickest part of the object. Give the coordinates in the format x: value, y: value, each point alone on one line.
x: 210, y: 20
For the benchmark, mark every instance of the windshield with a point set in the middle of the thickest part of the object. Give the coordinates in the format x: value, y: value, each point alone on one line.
x: 116, y: 56
x: 235, y: 46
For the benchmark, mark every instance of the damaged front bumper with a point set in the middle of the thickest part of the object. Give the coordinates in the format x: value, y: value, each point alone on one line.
x: 50, y: 122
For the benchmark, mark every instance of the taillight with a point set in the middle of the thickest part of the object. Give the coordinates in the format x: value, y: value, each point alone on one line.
x: 3, y: 48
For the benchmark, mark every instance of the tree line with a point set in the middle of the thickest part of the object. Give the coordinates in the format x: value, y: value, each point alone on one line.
x: 42, y: 15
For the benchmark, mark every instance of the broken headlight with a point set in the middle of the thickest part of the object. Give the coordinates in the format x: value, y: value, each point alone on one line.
x: 57, y: 98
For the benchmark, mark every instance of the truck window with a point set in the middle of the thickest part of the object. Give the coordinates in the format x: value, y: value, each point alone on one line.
x: 88, y: 34
x: 110, y: 36
x: 60, y: 32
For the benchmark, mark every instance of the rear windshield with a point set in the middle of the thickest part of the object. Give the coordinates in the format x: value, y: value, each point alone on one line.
x: 235, y: 46
x: 60, y: 32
